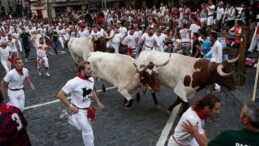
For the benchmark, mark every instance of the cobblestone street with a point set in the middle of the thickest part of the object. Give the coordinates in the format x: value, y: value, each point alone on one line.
x: 115, y: 126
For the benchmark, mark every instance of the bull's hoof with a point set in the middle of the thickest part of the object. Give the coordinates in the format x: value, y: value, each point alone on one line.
x: 128, y: 104
x: 138, y: 98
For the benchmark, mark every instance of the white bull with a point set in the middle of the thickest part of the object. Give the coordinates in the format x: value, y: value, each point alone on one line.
x: 187, y: 75
x: 80, y: 47
x: 120, y: 71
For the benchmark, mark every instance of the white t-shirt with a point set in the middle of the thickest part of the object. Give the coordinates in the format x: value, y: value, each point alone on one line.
x: 149, y: 40
x: 160, y: 40
x: 15, y: 80
x: 123, y: 31
x: 216, y: 52
x: 96, y: 34
x: 83, y: 33
x: 211, y: 10
x: 117, y: 38
x: 4, y: 53
x: 41, y: 52
x: 194, y: 28
x: 130, y: 41
x: 220, y: 13
x: 181, y: 136
x: 12, y: 46
x: 185, y: 35
x: 81, y: 91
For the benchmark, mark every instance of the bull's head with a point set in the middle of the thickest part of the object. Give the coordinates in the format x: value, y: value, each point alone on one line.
x: 224, y: 75
x: 99, y: 44
x: 149, y: 74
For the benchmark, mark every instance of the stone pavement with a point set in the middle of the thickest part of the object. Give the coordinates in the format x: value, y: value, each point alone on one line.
x: 115, y: 126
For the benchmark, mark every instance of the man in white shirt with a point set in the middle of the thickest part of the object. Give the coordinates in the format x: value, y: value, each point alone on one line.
x: 15, y: 79
x: 82, y: 91
x: 216, y: 52
x: 123, y: 31
x: 95, y: 33
x: 116, y: 40
x: 5, y: 53
x: 148, y: 40
x: 160, y: 39
x: 211, y: 9
x: 185, y: 34
x: 230, y: 15
x: 220, y: 15
x: 42, y: 57
x: 12, y: 45
x: 194, y: 27
x: 66, y: 33
x: 61, y: 33
x: 216, y: 49
x: 130, y: 40
x: 16, y: 36
x: 207, y: 107
x: 83, y: 32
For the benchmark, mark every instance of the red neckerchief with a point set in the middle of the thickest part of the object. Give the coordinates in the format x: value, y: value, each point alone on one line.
x: 131, y: 33
x: 257, y: 31
x: 20, y: 72
x: 197, y: 22
x: 83, y: 78
x: 201, y: 114
x: 108, y: 32
x: 212, y: 43
x: 150, y: 34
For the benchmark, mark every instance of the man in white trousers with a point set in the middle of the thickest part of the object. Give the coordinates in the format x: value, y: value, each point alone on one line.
x: 216, y: 52
x: 15, y: 79
x: 82, y: 90
x: 5, y: 54
x: 42, y: 57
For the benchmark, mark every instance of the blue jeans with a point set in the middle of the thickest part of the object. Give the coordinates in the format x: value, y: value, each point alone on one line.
x: 55, y: 46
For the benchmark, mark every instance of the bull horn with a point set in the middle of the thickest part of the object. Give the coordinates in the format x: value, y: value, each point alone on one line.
x: 165, y: 63
x: 220, y: 71
x: 138, y: 71
x: 234, y: 60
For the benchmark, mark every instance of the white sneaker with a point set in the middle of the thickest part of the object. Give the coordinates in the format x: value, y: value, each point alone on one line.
x: 47, y: 74
x: 39, y: 73
x: 64, y: 115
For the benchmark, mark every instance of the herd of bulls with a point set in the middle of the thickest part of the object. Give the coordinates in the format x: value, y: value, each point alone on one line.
x: 183, y: 74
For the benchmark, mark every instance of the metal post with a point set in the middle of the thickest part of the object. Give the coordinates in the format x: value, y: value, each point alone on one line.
x: 256, y: 80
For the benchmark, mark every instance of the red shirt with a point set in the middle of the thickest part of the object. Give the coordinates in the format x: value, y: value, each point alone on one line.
x: 176, y: 14
x: 13, y: 127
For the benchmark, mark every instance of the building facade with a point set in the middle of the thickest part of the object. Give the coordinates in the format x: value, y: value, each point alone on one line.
x: 53, y: 8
